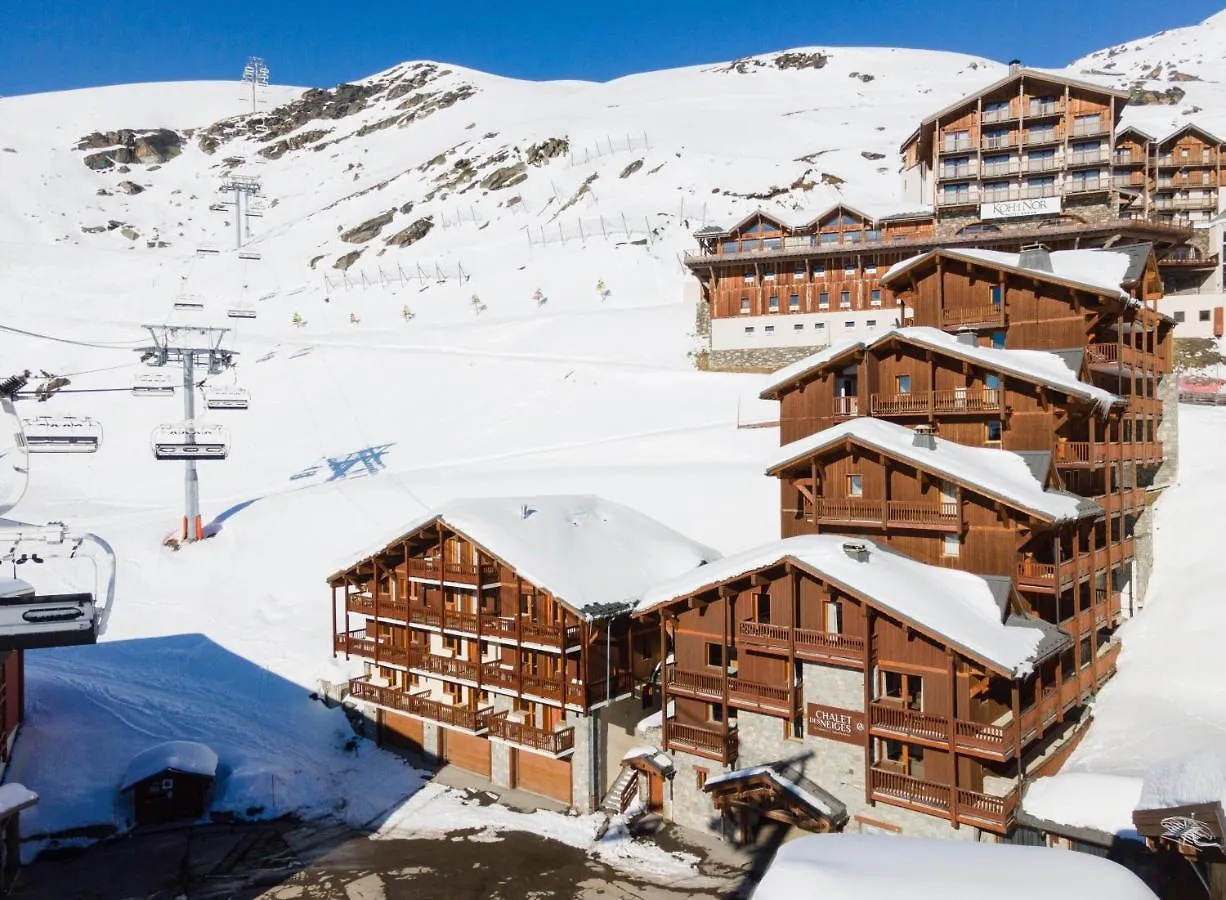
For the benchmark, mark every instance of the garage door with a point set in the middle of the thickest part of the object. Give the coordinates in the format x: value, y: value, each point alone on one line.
x: 544, y: 776
x: 401, y: 731
x: 467, y: 751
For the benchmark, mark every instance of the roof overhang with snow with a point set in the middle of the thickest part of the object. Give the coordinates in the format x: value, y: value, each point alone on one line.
x: 997, y: 474
x: 186, y: 757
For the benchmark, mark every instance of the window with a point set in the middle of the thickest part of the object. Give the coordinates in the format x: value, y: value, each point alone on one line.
x: 454, y: 691
x: 715, y: 655
x: 844, y: 299
x: 819, y: 326
x: 769, y: 329
x: 799, y: 326
x: 875, y: 298
x: 994, y: 431
x: 849, y: 269
x: 855, y: 485
x: 991, y: 381
x: 749, y: 329
x: 819, y: 268
x: 1203, y: 315
x: 957, y: 140
x: 849, y: 324
x: 871, y: 323
x: 998, y: 340
x: 749, y: 277
x: 794, y: 303
x: 1089, y: 124
x: 951, y: 547
x: 451, y: 643
x: 823, y: 300
x: 1180, y: 315
x: 715, y: 712
x: 744, y: 306
x: 700, y: 776
x: 768, y: 274
x: 902, y: 384
x: 799, y: 272
x: 773, y: 305
x: 872, y: 234
x: 762, y: 608
x: 996, y: 294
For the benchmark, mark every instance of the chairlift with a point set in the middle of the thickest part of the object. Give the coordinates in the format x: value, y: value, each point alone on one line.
x: 189, y: 305
x: 153, y: 384
x: 14, y: 458
x: 248, y: 254
x: 190, y: 440
x: 62, y: 434
x: 241, y: 312
x: 227, y: 397
x: 30, y: 621
x: 218, y: 207
x: 208, y: 250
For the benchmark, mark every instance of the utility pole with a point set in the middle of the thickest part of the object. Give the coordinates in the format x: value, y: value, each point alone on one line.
x: 188, y: 346
x: 242, y: 186
x: 255, y: 73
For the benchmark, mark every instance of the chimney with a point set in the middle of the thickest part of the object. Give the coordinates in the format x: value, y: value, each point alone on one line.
x: 1015, y: 66
x: 968, y: 337
x: 1035, y: 256
x: 857, y: 550
x: 925, y: 437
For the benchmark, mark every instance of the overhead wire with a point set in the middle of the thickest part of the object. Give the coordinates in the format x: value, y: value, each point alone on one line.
x: 115, y: 345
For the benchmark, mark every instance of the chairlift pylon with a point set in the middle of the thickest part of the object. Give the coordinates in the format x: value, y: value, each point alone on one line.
x: 62, y: 434
x: 190, y: 440
x: 153, y: 384
x: 14, y: 458
x: 227, y: 397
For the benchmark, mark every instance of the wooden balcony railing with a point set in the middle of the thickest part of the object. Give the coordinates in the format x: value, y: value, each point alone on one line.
x: 364, y: 604
x: 1121, y: 354
x: 463, y: 573
x: 475, y: 720
x: 711, y: 743
x: 973, y: 808
x: 887, y: 716
x: 359, y: 643
x: 709, y: 686
x: 901, y: 513
x: 555, y: 743
x: 984, y: 314
x: 443, y: 666
x: 752, y: 695
x: 846, y: 407
x: 514, y: 628
x: 965, y: 400
x: 810, y: 644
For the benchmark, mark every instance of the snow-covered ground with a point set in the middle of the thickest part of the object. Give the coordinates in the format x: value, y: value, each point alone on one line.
x: 1167, y: 698
x: 585, y: 393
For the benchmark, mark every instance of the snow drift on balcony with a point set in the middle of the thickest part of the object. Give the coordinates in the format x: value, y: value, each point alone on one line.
x: 189, y: 757
x: 1029, y: 365
x: 873, y: 867
x: 586, y: 551
x: 998, y: 473
x: 1098, y: 270
x: 956, y: 605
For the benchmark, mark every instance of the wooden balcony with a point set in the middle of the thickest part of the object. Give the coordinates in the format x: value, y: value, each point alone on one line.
x: 888, y: 513
x: 518, y: 629
x: 815, y: 646
x: 710, y: 742
x: 418, y: 706
x: 890, y: 719
x: 453, y: 572
x: 1111, y: 355
x: 552, y: 743
x: 364, y: 604
x: 955, y: 402
x: 764, y: 698
x: 1087, y: 455
x: 966, y: 807
x: 846, y: 407
x: 986, y: 315
x: 359, y: 643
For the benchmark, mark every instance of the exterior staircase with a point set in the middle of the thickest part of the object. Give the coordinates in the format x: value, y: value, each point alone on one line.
x: 623, y: 791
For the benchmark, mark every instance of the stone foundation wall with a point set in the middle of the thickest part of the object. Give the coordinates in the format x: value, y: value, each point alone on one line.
x: 1143, y: 530
x: 766, y: 359
x: 581, y: 762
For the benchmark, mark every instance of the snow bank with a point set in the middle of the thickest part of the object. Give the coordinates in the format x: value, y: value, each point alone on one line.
x: 188, y: 757
x: 999, y: 473
x: 588, y: 552
x: 872, y: 867
x: 1185, y: 780
x: 957, y: 605
x: 1085, y: 800
x: 92, y: 713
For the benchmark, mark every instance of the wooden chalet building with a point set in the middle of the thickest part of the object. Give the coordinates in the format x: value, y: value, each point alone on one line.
x: 495, y: 635
x: 814, y: 677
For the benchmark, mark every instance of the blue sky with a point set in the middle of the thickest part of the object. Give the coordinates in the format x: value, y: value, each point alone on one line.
x: 60, y: 44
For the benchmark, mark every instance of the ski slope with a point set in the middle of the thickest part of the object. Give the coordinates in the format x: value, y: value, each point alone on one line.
x: 586, y: 392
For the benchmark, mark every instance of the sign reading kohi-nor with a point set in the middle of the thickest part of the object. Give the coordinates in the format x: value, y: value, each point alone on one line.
x: 837, y: 724
x: 1012, y: 209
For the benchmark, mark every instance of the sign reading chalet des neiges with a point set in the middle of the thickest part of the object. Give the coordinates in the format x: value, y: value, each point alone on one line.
x: 837, y: 724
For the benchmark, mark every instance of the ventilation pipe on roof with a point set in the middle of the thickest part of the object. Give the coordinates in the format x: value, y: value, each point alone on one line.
x: 925, y: 437
x: 1015, y: 66
x: 857, y: 550
x: 1035, y: 256
x: 968, y: 337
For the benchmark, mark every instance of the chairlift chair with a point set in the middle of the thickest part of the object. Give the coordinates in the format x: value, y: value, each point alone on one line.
x: 153, y: 384
x: 248, y: 254
x: 241, y: 312
x: 227, y: 398
x: 62, y: 434
x: 30, y: 621
x: 190, y: 305
x: 208, y: 250
x: 190, y: 440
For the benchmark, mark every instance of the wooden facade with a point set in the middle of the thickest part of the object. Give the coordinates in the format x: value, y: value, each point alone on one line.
x: 12, y: 702
x: 1176, y: 178
x: 445, y: 626
x: 943, y: 732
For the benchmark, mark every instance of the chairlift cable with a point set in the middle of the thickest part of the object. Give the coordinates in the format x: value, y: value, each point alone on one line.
x: 118, y: 345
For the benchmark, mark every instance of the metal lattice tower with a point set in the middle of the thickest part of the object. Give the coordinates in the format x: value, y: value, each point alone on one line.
x: 243, y: 187
x: 255, y: 73
x: 188, y: 347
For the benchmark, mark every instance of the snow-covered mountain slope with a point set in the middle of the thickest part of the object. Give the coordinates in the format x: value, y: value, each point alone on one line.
x: 389, y: 208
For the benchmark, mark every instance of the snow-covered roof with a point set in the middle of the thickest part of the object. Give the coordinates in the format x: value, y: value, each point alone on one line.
x: 955, y: 606
x: 997, y: 473
x: 1101, y: 271
x: 1092, y: 800
x: 14, y: 798
x: 651, y: 756
x: 1185, y: 780
x: 1030, y: 365
x: 880, y: 867
x: 189, y: 757
x: 592, y: 554
x: 804, y: 790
